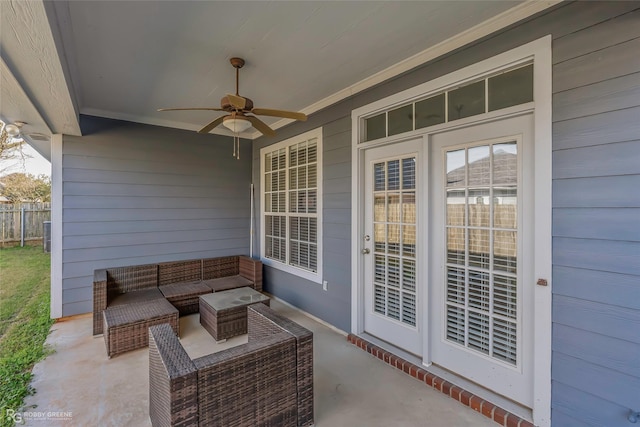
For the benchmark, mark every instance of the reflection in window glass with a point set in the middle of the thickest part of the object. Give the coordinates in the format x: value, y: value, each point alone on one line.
x: 376, y: 127
x: 401, y: 120
x: 505, y: 163
x: 430, y: 111
x: 511, y: 88
x: 479, y: 165
x: 455, y: 168
x: 466, y: 101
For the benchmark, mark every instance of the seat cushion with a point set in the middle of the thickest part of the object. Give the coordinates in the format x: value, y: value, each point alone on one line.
x: 135, y: 297
x: 229, y: 282
x: 184, y: 289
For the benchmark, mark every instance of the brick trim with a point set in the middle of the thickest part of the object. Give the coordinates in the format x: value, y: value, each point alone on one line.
x: 488, y: 409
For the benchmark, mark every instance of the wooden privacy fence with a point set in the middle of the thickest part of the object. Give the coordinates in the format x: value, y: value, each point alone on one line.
x: 23, y: 222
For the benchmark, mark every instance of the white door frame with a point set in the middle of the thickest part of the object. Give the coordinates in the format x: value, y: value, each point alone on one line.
x: 538, y: 51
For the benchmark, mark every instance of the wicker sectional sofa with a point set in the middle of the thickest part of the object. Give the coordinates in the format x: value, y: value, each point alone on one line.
x: 179, y: 282
x: 267, y: 381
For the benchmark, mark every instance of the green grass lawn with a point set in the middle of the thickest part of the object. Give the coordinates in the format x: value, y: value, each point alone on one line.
x: 24, y: 321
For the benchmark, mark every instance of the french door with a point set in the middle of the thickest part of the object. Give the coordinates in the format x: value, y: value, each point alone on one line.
x: 392, y: 271
x: 481, y: 191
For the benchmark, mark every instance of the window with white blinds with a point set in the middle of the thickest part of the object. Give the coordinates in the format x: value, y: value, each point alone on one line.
x: 481, y: 247
x: 290, y: 204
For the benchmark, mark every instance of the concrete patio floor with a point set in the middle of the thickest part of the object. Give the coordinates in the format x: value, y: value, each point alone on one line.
x: 352, y: 388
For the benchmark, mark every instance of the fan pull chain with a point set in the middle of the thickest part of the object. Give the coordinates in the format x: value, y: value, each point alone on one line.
x: 236, y: 147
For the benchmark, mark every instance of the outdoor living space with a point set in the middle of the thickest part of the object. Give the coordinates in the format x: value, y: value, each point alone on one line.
x: 351, y: 387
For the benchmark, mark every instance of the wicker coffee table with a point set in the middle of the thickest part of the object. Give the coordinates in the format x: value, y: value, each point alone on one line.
x: 224, y: 314
x: 126, y: 327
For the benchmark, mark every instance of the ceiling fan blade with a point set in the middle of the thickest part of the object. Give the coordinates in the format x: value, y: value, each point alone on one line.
x: 280, y: 113
x: 211, y: 125
x: 261, y: 126
x: 191, y: 108
x: 237, y: 101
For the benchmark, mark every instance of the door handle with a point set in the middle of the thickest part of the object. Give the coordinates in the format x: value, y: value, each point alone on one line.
x: 365, y: 251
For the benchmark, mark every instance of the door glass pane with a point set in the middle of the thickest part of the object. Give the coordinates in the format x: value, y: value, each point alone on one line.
x: 479, y: 207
x: 505, y: 207
x: 505, y: 163
x: 481, y: 282
x: 409, y: 240
x: 409, y: 207
x: 393, y: 175
x: 409, y: 173
x: 401, y: 120
x: 456, y: 245
x: 430, y: 111
x: 511, y: 88
x: 456, y: 207
x: 505, y: 251
x: 478, y: 247
x: 393, y: 207
x: 393, y: 239
x: 456, y: 171
x: 379, y: 237
x: 479, y: 165
x: 379, y: 209
x: 378, y: 177
x: 466, y: 101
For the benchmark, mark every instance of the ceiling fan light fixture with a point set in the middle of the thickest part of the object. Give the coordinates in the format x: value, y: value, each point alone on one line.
x: 236, y: 125
x: 13, y: 129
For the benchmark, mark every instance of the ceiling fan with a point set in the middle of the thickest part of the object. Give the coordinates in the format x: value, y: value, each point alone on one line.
x: 238, y: 120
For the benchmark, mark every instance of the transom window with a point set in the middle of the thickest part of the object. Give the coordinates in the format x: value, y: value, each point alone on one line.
x: 291, y: 193
x: 509, y: 88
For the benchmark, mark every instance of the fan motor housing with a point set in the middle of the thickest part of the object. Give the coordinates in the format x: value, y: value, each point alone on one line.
x: 226, y: 105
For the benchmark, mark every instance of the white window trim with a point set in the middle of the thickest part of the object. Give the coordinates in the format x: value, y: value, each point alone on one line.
x: 315, y: 277
x: 538, y: 51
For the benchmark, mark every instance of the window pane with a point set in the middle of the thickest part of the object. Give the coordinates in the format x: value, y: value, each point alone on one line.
x: 511, y: 88
x: 401, y: 120
x: 479, y: 207
x: 466, y: 101
x: 312, y: 181
x: 312, y: 151
x: 430, y: 111
x: 455, y: 168
x: 479, y: 165
x: 409, y: 173
x: 505, y: 208
x: 376, y: 127
x: 505, y: 257
x: 378, y: 177
x: 456, y: 207
x: 409, y: 207
x: 505, y: 163
x: 393, y: 175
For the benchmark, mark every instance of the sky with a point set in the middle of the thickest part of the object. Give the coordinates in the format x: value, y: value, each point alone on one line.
x: 35, y: 164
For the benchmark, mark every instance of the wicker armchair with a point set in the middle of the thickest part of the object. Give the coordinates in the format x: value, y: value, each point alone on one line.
x: 268, y: 381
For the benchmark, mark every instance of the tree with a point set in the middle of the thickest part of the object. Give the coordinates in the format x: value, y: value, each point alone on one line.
x: 10, y: 149
x: 21, y: 187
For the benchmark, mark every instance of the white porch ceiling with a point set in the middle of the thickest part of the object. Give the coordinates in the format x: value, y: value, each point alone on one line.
x: 126, y: 59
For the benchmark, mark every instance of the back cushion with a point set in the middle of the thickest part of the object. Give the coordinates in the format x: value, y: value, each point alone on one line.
x: 213, y: 268
x: 134, y: 278
x: 179, y: 271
